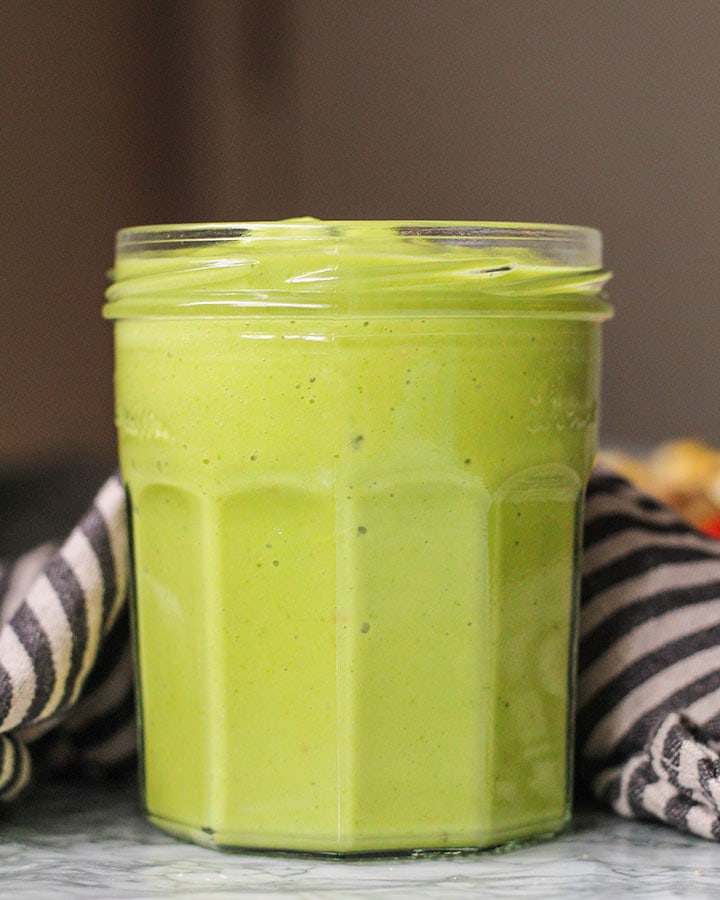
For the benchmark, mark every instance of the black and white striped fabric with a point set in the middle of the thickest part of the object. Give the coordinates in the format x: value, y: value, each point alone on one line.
x: 648, y: 721
x: 65, y: 667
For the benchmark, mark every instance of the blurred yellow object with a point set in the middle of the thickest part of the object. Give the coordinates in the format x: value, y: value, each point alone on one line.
x: 684, y: 474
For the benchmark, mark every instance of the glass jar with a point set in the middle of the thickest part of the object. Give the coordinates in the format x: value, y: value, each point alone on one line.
x: 355, y: 455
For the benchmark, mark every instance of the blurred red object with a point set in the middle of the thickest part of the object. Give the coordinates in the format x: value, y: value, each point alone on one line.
x: 711, y: 526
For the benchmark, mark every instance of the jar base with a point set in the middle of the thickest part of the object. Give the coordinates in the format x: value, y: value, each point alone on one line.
x: 364, y: 847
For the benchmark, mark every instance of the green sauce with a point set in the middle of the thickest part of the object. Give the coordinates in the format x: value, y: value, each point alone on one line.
x: 355, y: 533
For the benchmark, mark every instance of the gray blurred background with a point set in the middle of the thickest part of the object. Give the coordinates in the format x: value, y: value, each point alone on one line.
x: 125, y: 112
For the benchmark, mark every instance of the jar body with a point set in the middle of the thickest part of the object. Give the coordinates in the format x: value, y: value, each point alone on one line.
x: 355, y: 551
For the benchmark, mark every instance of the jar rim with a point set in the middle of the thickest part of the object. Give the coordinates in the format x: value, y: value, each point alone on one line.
x: 346, y: 267
x: 565, y: 245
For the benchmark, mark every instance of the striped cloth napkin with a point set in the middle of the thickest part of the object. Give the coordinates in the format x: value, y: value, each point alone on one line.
x: 65, y: 663
x: 648, y: 719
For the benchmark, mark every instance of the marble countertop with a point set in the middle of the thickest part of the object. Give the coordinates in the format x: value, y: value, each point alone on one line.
x: 81, y: 841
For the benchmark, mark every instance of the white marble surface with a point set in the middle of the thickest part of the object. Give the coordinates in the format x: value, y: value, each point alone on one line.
x: 70, y: 841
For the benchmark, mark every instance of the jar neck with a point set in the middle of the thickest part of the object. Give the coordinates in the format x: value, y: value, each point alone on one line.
x: 312, y: 267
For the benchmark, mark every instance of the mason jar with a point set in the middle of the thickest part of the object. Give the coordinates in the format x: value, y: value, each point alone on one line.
x: 355, y: 456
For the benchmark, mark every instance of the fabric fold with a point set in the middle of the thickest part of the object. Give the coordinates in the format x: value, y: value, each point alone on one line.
x: 648, y: 717
x: 58, y: 611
